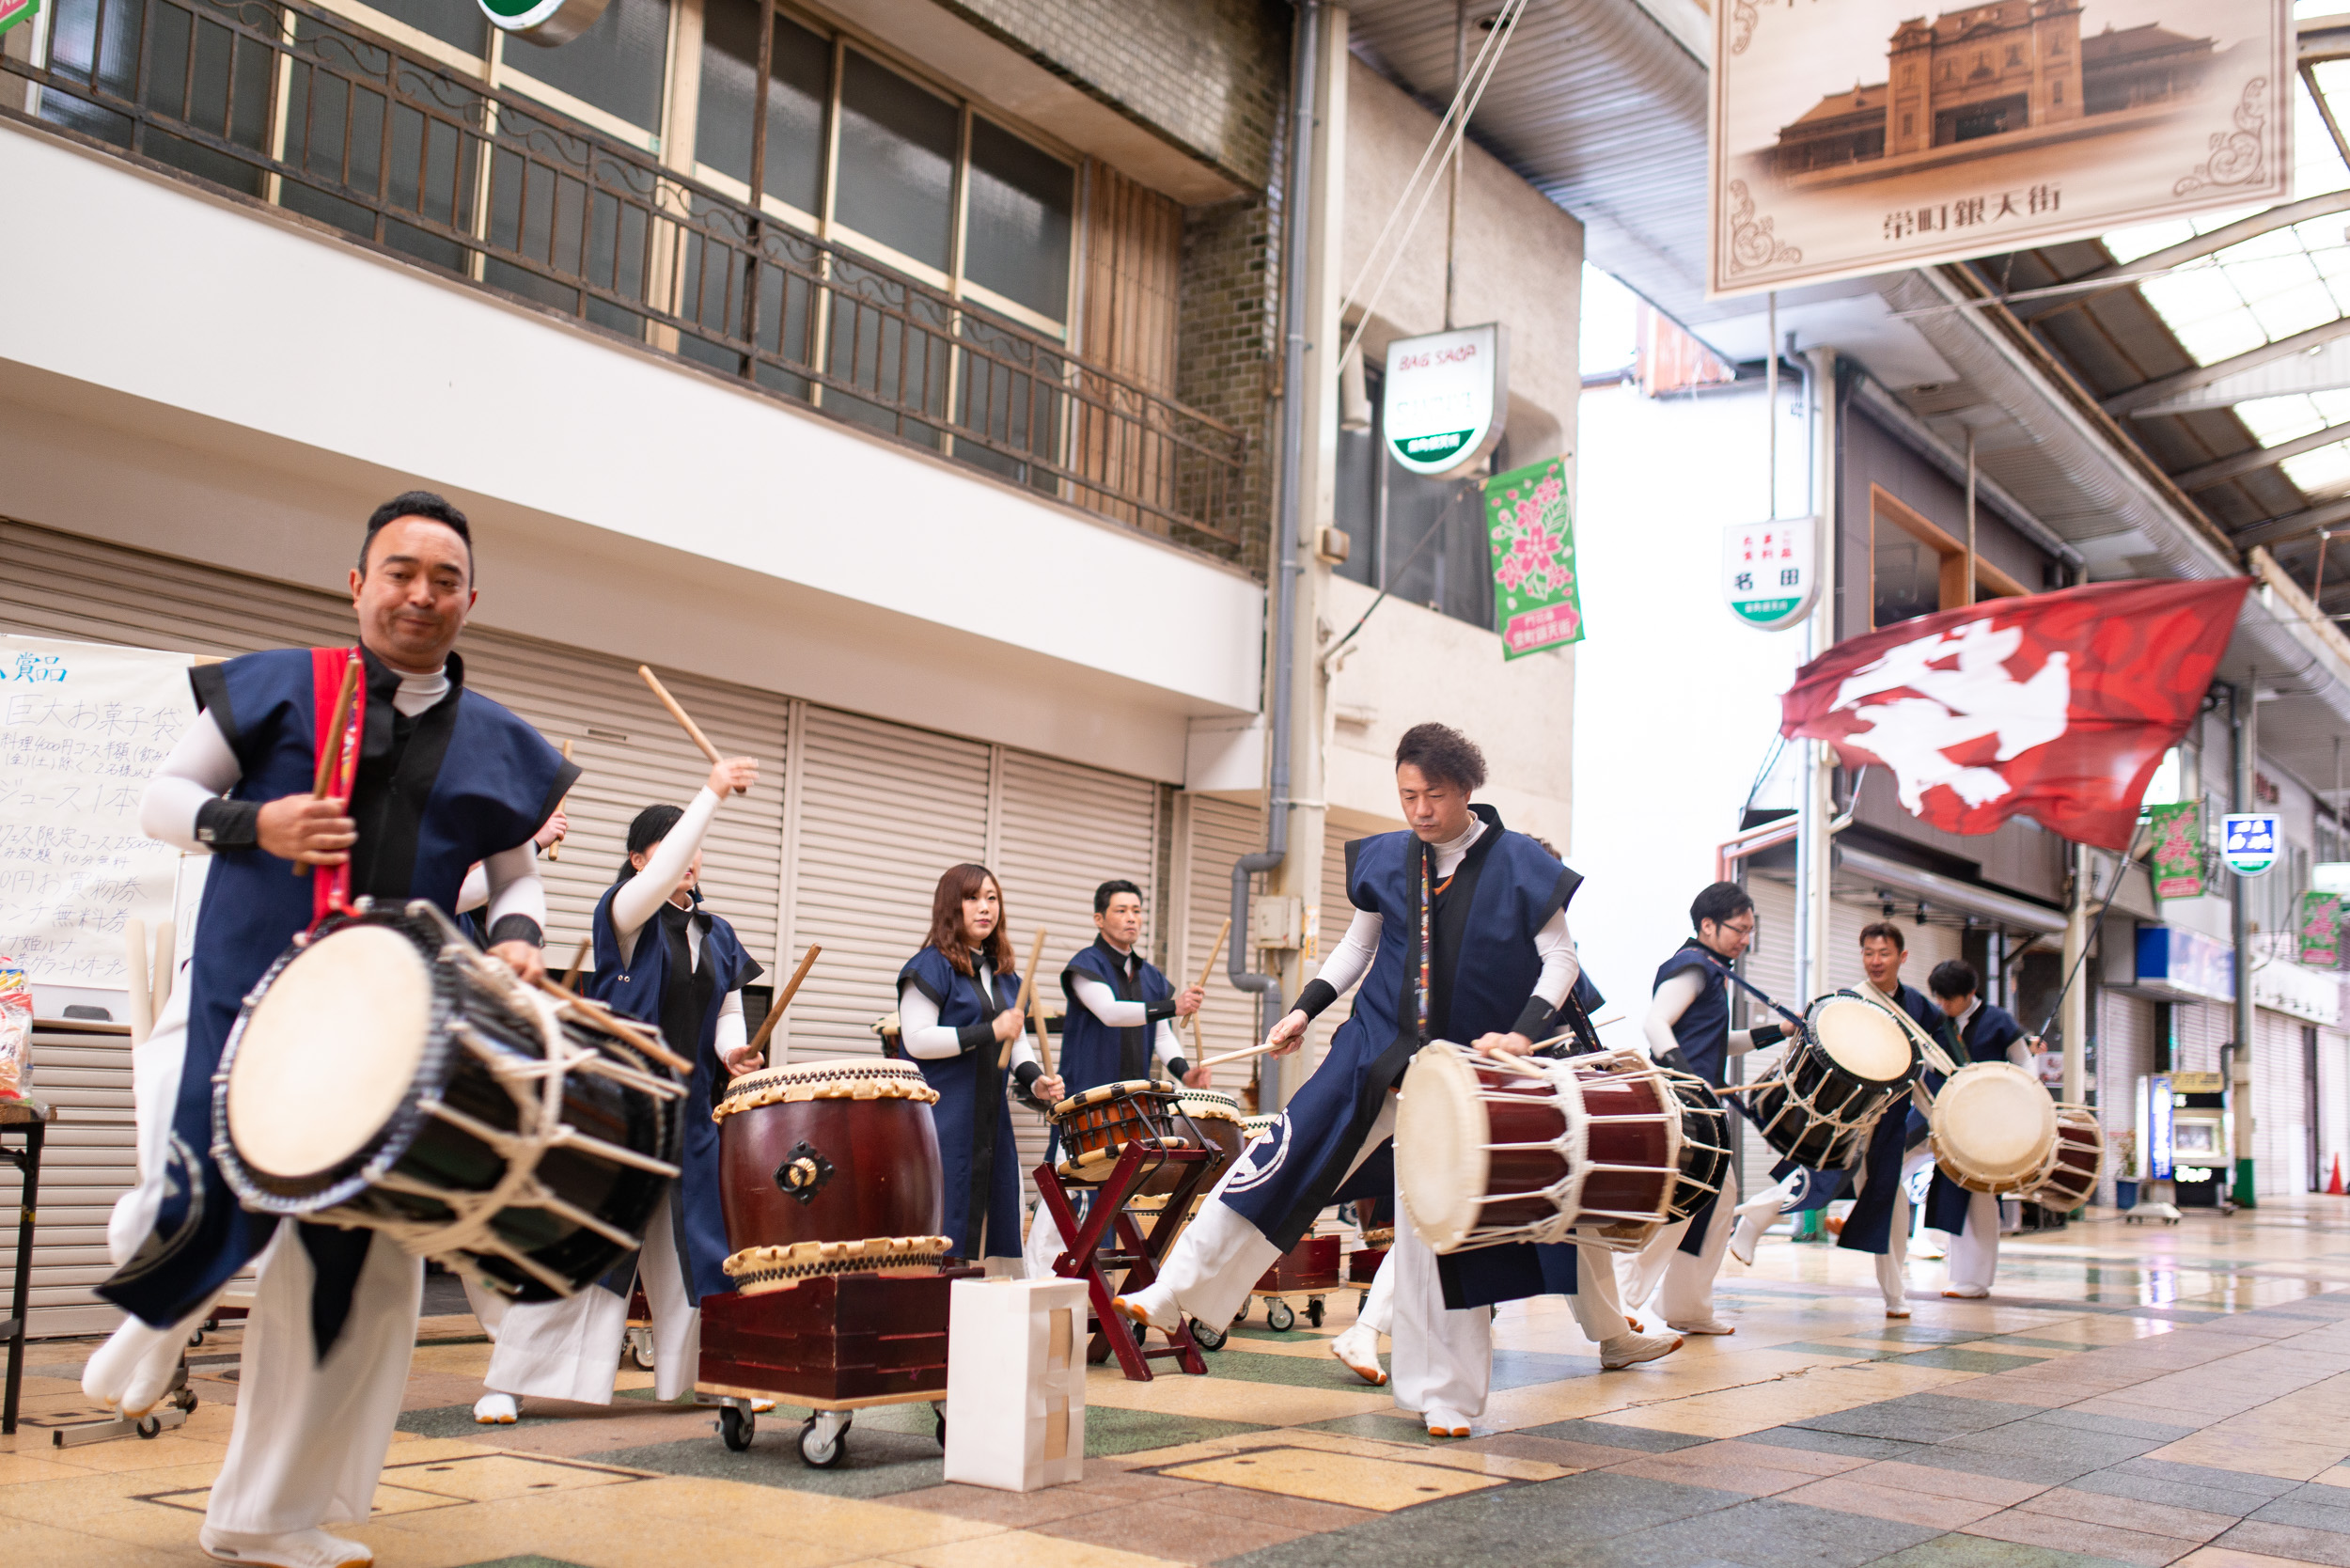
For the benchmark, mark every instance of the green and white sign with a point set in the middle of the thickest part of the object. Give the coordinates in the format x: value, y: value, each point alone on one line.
x: 1531, y: 527
x: 1770, y: 575
x: 1442, y: 401
x: 14, y: 11
x: 543, y: 22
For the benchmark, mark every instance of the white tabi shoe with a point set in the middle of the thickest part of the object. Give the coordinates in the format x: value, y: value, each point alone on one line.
x: 1445, y: 1423
x: 1630, y: 1350
x: 1967, y: 1292
x: 1711, y: 1326
x: 136, y: 1364
x: 1744, y: 1236
x: 1358, y: 1347
x: 496, y: 1410
x: 300, y: 1549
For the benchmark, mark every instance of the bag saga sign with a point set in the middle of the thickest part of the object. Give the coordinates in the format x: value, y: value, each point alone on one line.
x: 1441, y: 404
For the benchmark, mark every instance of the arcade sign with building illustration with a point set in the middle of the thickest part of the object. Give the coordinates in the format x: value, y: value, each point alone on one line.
x: 1862, y: 137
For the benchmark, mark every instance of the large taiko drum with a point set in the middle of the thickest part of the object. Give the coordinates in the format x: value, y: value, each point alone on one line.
x: 2068, y: 1178
x: 387, y: 1073
x: 1216, y: 1117
x: 1705, y: 1146
x: 1097, y: 1125
x: 1852, y: 1059
x: 1490, y: 1151
x: 830, y: 1168
x: 1992, y: 1128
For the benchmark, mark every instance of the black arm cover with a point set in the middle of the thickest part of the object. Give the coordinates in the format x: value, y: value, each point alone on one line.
x: 1028, y: 1073
x: 1176, y: 1068
x: 1534, y: 1019
x: 1766, y: 1034
x: 517, y: 928
x: 1153, y: 1012
x: 974, y: 1037
x: 1319, y: 994
x: 228, y: 824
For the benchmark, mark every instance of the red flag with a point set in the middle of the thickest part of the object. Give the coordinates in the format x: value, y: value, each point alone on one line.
x: 2059, y: 706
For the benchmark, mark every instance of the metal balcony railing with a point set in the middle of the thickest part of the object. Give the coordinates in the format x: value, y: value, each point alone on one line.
x: 290, y: 106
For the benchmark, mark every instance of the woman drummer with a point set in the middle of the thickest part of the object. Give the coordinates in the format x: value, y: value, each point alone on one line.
x: 663, y: 960
x: 959, y: 1006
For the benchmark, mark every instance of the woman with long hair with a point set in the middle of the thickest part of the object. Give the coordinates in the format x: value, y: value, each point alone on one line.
x: 958, y: 1004
x: 663, y: 960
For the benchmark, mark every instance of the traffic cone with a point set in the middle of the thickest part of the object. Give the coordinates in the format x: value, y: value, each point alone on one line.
x: 2334, y: 1188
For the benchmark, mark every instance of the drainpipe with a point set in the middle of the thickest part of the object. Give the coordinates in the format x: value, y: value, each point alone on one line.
x: 1296, y: 237
x: 2242, y: 735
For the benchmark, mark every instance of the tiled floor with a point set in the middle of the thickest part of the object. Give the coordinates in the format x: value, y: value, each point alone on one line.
x: 2137, y: 1395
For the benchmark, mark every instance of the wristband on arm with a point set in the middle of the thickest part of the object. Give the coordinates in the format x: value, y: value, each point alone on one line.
x: 1318, y: 994
x: 517, y: 928
x: 1534, y: 1020
x: 974, y: 1037
x: 1766, y: 1034
x: 228, y: 824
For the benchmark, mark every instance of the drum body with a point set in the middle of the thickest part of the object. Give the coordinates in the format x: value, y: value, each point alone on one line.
x: 1097, y: 1125
x: 1216, y: 1118
x: 817, y: 1154
x: 1488, y: 1154
x: 387, y: 1073
x: 1834, y: 1082
x: 1992, y: 1128
x: 1705, y: 1146
x: 2068, y: 1178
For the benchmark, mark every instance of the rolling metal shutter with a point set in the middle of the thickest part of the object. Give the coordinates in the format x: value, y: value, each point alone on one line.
x: 1210, y: 835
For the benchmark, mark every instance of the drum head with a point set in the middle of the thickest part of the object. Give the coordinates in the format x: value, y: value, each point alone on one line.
x: 1441, y: 1158
x: 1863, y: 1039
x: 1994, y: 1122
x: 330, y: 1051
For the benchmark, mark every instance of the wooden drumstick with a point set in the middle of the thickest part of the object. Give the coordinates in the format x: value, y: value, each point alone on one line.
x: 554, y: 851
x: 783, y: 999
x: 644, y: 1038
x: 1027, y: 990
x: 579, y: 962
x: 166, y: 964
x: 1043, y: 1038
x: 330, y: 745
x: 1206, y: 970
x: 142, y: 1000
x: 1241, y: 1055
x: 685, y: 720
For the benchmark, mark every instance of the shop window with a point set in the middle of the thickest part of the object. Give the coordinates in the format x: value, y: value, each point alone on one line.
x: 1917, y: 568
x: 898, y: 145
x: 617, y: 66
x: 456, y: 23
x: 799, y: 89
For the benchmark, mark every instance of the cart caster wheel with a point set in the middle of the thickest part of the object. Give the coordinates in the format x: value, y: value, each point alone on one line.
x: 196, y: 1337
x: 738, y: 1427
x: 149, y: 1426
x: 1206, y: 1338
x: 942, y: 1426
x: 1241, y: 1316
x: 819, y: 1449
x: 1280, y: 1316
x: 184, y: 1401
x: 642, y: 1356
x: 1313, y: 1311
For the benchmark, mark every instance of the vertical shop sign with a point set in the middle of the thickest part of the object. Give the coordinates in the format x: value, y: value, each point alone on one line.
x: 2319, y: 929
x: 2177, y: 857
x: 1531, y: 527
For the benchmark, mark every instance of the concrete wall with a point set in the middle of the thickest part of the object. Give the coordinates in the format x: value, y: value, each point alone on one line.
x: 628, y: 503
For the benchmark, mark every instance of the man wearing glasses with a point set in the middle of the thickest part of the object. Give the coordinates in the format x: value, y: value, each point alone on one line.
x: 1688, y: 1027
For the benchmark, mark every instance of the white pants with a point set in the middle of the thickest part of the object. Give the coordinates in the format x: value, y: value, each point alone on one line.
x: 310, y: 1437
x: 489, y: 1308
x: 1974, y: 1252
x: 1891, y: 1279
x: 570, y: 1348
x: 1686, y: 1282
x: 1442, y: 1359
x: 1597, y: 1306
x: 155, y: 1070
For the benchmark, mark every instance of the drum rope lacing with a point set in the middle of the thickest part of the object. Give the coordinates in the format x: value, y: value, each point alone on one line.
x: 538, y: 1108
x: 759, y: 1270
x: 853, y: 1081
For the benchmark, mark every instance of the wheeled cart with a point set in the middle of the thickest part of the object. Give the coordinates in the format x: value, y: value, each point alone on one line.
x: 1309, y: 1269
x: 838, y: 1344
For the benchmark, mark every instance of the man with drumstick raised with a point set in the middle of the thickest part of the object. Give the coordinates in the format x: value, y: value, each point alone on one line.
x: 1481, y: 913
x: 1119, y: 1020
x: 662, y: 960
x: 1986, y: 1032
x: 438, y: 777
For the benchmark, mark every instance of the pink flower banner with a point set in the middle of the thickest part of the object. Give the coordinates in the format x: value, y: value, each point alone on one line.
x: 1531, y: 529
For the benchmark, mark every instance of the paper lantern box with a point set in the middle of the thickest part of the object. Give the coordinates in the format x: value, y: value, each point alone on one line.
x: 1016, y: 1396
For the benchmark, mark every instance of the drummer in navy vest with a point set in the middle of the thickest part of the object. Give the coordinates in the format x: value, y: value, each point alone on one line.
x: 1984, y: 1032
x: 1481, y: 911
x: 443, y: 778
x: 958, y: 1007
x: 665, y: 960
x: 1687, y: 1027
x: 1119, y: 1022
x: 1880, y: 1216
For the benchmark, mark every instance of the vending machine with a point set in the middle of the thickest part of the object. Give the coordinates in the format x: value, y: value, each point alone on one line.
x: 2185, y: 1131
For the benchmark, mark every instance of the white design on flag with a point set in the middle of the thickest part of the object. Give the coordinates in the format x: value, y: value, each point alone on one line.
x: 1913, y: 733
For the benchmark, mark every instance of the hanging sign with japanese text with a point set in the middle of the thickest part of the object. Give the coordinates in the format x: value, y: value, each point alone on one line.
x: 1442, y: 400
x: 1770, y: 576
x: 1531, y: 527
x: 2249, y: 840
x: 2176, y: 860
x: 1858, y: 136
x: 2319, y: 932
x: 14, y: 11
x: 83, y: 726
x: 545, y: 22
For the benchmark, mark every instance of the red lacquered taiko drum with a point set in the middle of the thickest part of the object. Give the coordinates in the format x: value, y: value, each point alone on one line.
x: 830, y: 1168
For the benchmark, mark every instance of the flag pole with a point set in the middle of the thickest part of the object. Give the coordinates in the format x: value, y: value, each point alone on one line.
x: 1814, y: 805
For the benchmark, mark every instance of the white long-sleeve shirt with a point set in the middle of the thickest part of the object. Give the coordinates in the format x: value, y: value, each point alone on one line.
x: 203, y: 767
x: 1350, y: 960
x: 924, y: 1036
x: 1104, y: 1003
x: 1664, y: 1008
x: 640, y: 898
